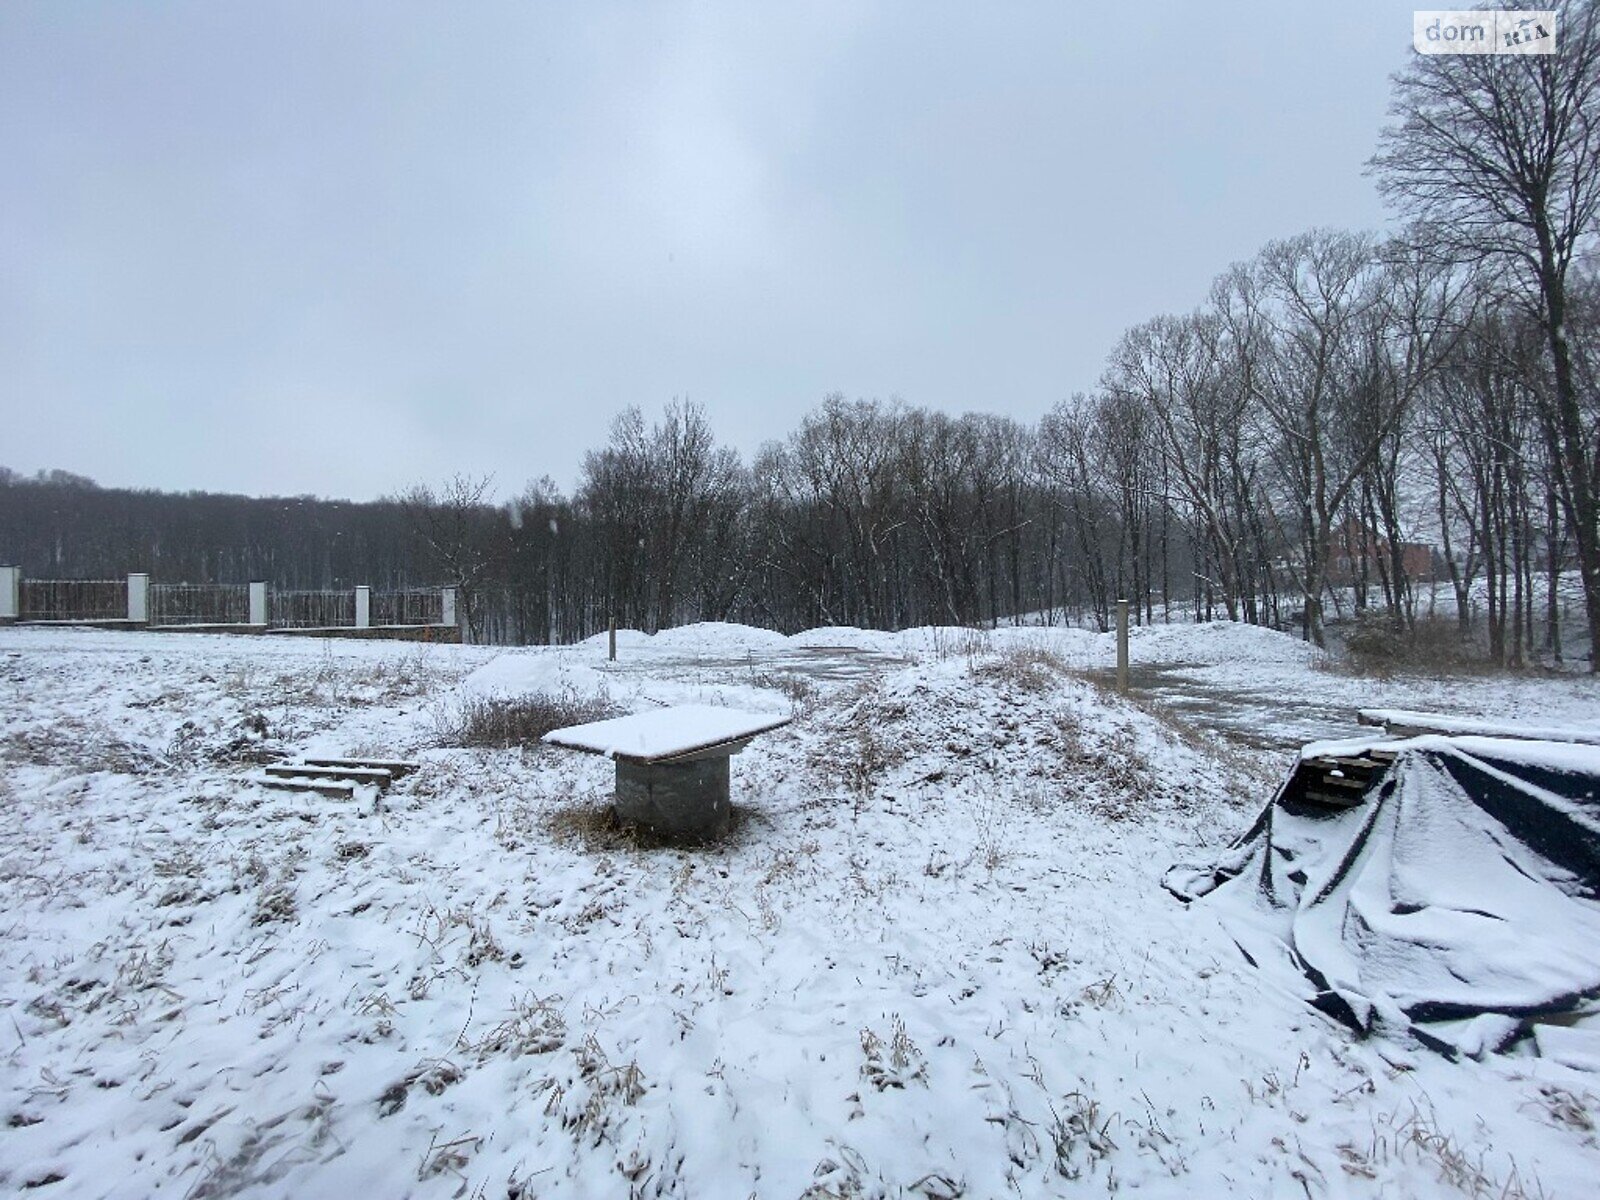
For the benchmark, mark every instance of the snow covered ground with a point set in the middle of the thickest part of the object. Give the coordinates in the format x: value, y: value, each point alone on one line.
x: 932, y: 960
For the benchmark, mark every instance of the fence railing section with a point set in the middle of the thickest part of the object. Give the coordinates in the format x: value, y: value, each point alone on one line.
x: 74, y: 600
x: 415, y: 606
x: 312, y: 610
x: 140, y: 601
x: 199, y: 603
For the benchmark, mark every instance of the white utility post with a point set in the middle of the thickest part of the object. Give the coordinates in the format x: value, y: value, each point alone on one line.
x: 1122, y: 645
x: 447, y: 614
x: 10, y: 593
x: 139, y: 598
x: 363, y: 607
x: 258, y: 603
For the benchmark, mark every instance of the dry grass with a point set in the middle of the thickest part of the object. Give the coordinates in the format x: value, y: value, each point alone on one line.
x: 594, y: 826
x: 504, y: 722
x: 1033, y: 669
x: 590, y: 1102
x: 869, y: 742
x: 802, y: 692
x: 85, y: 747
x: 534, y: 1026
x: 1433, y: 646
x: 892, y: 1063
x: 338, y: 683
x: 251, y: 740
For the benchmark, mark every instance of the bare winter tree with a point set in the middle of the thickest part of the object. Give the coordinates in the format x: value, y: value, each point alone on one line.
x: 1336, y: 340
x: 659, y: 499
x: 1498, y: 158
x: 1177, y: 368
x: 450, y: 523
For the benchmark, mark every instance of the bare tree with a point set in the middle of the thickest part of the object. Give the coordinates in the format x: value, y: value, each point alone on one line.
x: 451, y: 524
x: 1498, y: 157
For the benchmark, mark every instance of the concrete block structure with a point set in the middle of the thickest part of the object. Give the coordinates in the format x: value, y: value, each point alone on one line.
x: 672, y: 765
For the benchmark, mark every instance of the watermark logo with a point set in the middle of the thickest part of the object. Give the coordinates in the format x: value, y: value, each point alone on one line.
x: 1484, y: 31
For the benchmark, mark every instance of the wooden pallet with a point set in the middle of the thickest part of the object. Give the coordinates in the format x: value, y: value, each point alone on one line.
x: 1340, y: 781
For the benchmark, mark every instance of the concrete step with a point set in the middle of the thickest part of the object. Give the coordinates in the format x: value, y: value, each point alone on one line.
x: 398, y: 768
x: 334, y: 789
x: 363, y: 774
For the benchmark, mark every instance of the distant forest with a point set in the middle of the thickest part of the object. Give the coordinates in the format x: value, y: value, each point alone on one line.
x: 1283, y: 452
x: 1341, y: 417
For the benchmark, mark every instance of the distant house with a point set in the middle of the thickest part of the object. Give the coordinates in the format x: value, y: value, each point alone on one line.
x: 1356, y: 551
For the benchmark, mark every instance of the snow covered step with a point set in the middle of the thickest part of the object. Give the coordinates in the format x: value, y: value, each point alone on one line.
x: 398, y: 768
x: 353, y: 774
x: 336, y: 789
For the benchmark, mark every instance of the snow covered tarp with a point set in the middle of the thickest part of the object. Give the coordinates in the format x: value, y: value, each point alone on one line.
x: 1459, y: 902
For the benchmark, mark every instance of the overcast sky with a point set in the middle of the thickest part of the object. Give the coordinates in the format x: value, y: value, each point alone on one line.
x: 341, y: 248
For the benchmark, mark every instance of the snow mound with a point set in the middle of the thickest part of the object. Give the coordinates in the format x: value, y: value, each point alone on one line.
x: 718, y: 637
x: 847, y: 636
x: 625, y: 637
x: 529, y: 672
x: 1001, y: 725
x: 1221, y: 642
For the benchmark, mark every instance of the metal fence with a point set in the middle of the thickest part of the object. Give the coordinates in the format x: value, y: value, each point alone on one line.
x: 74, y: 600
x: 312, y: 610
x: 414, y: 606
x: 139, y: 600
x: 199, y: 603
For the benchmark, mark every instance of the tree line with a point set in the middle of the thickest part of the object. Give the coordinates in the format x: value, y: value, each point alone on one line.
x: 1340, y: 420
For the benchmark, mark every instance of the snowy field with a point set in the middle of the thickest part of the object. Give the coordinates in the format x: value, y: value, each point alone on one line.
x: 933, y: 959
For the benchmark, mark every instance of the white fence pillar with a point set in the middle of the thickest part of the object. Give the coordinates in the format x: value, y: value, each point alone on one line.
x: 10, y: 593
x: 363, y: 607
x: 139, y: 597
x: 447, y: 615
x: 258, y: 604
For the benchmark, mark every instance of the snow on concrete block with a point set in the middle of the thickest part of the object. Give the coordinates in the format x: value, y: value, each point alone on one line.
x: 667, y: 733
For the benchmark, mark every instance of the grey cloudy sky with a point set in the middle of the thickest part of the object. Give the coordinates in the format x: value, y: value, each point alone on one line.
x: 339, y: 248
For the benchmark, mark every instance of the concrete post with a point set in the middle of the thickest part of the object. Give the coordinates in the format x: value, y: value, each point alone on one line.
x: 447, y: 614
x: 258, y: 603
x: 613, y: 639
x: 139, y: 598
x: 10, y: 593
x: 363, y: 607
x: 1122, y: 645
